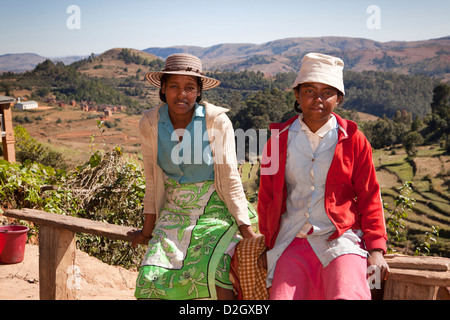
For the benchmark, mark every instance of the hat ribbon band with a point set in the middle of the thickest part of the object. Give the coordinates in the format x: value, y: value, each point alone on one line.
x: 189, y: 69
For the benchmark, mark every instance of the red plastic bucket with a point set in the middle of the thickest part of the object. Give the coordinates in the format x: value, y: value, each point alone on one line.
x: 12, y: 243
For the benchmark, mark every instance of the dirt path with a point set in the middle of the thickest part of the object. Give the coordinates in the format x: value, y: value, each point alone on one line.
x: 99, y: 281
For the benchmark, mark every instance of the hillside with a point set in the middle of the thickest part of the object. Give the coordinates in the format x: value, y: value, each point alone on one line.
x: 75, y: 134
x: 431, y: 57
x: 117, y: 77
x: 111, y: 64
x: 429, y: 174
x: 123, y: 69
x: 19, y: 62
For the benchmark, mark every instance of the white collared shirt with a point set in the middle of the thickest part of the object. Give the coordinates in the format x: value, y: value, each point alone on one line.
x: 315, y: 137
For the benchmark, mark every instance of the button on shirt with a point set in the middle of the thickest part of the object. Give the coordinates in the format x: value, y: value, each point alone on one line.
x: 189, y: 160
x: 308, y: 159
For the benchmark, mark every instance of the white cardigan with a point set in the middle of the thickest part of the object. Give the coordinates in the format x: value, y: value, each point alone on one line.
x: 227, y: 181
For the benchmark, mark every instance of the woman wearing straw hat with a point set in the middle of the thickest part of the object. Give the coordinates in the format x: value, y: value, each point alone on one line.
x: 321, y: 211
x: 194, y: 200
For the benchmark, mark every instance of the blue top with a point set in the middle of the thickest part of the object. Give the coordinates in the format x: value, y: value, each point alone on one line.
x: 190, y: 160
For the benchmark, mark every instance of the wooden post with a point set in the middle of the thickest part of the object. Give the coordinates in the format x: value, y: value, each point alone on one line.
x: 56, y: 256
x: 9, y: 152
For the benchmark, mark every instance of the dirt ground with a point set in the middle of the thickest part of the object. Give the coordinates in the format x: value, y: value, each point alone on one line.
x: 99, y: 281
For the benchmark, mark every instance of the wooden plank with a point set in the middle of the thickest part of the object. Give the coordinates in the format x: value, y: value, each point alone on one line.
x: 56, y: 256
x: 73, y: 224
x: 400, y: 290
x: 423, y: 277
x: 418, y: 262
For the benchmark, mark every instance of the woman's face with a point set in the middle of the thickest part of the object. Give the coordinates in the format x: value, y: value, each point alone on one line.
x: 181, y: 94
x: 317, y: 101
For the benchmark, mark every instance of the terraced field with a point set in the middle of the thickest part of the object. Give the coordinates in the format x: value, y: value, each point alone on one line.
x: 429, y: 176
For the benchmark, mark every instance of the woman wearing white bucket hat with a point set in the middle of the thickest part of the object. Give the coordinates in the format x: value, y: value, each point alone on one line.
x: 329, y: 224
x: 194, y: 200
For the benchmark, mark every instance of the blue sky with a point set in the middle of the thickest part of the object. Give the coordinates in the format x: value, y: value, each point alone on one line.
x: 41, y: 26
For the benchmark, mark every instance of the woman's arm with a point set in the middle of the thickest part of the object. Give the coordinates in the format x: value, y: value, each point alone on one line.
x: 368, y: 198
x: 247, y: 231
x: 228, y: 180
x: 144, y: 235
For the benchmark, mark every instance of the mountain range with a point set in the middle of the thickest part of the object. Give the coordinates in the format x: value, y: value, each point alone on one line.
x: 21, y: 62
x: 430, y: 57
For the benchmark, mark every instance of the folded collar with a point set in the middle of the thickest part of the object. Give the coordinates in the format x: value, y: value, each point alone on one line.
x: 199, y: 111
x: 331, y: 124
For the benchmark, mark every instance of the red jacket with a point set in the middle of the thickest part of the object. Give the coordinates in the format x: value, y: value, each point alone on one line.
x: 352, y: 193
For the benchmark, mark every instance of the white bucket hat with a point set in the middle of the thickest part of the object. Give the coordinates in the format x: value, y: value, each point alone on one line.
x: 183, y: 64
x: 318, y: 67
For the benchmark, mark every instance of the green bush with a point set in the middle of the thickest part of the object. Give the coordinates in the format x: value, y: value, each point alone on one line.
x: 24, y: 186
x: 28, y: 149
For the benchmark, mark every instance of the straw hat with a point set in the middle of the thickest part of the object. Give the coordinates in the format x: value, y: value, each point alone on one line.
x: 183, y: 64
x: 317, y: 67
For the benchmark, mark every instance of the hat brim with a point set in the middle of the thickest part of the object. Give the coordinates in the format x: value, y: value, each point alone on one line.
x: 154, y: 78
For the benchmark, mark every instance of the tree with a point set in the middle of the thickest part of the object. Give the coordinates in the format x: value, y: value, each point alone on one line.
x: 438, y: 121
x: 384, y: 132
x: 403, y: 116
x: 447, y: 144
x: 440, y: 104
x: 411, y: 141
x: 416, y: 124
x: 263, y: 108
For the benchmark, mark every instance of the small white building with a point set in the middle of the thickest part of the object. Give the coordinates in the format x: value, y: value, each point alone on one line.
x: 25, y: 105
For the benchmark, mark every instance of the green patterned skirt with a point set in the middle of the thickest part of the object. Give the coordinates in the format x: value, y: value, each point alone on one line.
x: 188, y: 254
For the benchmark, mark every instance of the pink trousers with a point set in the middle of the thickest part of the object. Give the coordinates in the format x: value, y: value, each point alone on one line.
x: 299, y: 275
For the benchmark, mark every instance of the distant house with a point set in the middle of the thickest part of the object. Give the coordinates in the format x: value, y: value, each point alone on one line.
x: 25, y: 105
x: 108, y: 112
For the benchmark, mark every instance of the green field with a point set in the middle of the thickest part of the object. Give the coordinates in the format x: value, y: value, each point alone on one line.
x: 429, y: 176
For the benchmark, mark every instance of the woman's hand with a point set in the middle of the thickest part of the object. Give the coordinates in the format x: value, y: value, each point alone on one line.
x: 247, y: 231
x: 376, y: 259
x: 138, y: 238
